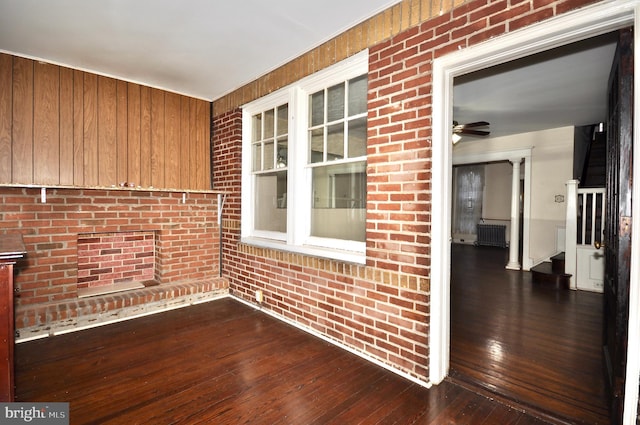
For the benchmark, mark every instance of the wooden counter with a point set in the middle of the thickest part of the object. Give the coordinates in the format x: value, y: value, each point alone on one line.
x: 11, y: 249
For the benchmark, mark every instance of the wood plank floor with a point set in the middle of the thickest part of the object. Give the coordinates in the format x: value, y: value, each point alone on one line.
x: 223, y: 362
x: 532, y: 343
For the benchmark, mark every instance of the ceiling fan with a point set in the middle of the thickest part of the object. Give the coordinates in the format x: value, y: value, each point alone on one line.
x: 471, y: 129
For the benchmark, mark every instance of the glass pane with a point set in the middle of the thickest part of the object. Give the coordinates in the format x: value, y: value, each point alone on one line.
x: 256, y: 128
x: 269, y: 122
x: 316, y: 145
x: 357, y: 137
x: 358, y: 95
x: 335, y: 103
x: 339, y: 201
x: 283, y: 120
x: 316, y: 108
x: 271, y: 202
x: 335, y: 142
x: 268, y: 156
x: 283, y: 151
x: 257, y: 157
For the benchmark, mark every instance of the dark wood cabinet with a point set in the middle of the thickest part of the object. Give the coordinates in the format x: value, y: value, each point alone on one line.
x: 11, y: 250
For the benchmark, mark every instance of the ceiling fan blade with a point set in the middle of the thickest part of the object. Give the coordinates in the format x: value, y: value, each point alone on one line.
x: 473, y: 132
x: 475, y: 124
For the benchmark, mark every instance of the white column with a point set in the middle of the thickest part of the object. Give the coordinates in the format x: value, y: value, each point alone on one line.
x: 514, y: 240
x: 571, y: 232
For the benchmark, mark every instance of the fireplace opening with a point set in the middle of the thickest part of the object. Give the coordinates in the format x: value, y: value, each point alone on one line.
x: 114, y: 262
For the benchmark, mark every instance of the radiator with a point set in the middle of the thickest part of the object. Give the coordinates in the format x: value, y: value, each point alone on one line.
x: 491, y: 235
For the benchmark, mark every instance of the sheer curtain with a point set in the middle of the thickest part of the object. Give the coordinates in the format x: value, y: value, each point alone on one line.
x: 468, y: 198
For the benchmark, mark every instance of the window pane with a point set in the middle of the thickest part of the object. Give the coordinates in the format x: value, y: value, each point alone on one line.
x: 283, y: 120
x: 316, y: 108
x: 257, y: 157
x: 358, y: 95
x: 269, y: 122
x: 283, y: 151
x: 357, y: 137
x: 335, y: 142
x: 256, y: 128
x: 316, y: 145
x: 268, y: 156
x: 335, y: 103
x: 339, y: 201
x: 271, y: 202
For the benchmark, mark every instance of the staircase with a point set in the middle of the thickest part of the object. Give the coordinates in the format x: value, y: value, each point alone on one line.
x: 551, y: 273
x: 594, y: 171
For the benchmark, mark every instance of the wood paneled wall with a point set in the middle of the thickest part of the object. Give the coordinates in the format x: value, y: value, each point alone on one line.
x: 60, y: 126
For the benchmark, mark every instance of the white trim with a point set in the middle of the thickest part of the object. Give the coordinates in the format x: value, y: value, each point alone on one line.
x: 338, y: 344
x: 570, y: 27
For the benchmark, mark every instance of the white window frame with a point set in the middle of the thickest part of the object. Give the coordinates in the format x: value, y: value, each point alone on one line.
x: 297, y: 238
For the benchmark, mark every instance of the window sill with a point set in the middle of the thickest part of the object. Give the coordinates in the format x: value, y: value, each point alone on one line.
x: 314, y: 251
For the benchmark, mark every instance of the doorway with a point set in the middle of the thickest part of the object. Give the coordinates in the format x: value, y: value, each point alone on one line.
x: 585, y: 23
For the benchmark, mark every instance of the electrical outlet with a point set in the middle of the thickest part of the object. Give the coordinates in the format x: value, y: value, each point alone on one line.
x: 259, y: 296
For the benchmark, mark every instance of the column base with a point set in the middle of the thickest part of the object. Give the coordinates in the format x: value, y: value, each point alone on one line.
x: 513, y: 266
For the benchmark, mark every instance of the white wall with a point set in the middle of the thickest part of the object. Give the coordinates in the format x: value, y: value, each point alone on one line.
x: 551, y: 168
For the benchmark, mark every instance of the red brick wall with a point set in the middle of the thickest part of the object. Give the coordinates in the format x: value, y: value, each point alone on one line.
x: 187, y: 242
x: 381, y: 309
x: 110, y: 258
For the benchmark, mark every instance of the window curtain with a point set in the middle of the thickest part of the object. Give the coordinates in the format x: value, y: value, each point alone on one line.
x: 468, y: 199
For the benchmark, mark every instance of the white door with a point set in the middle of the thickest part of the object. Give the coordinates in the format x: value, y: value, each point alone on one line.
x: 590, y: 268
x: 589, y: 259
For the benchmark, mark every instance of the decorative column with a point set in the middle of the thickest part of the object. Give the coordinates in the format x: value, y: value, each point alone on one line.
x: 571, y: 232
x: 514, y: 240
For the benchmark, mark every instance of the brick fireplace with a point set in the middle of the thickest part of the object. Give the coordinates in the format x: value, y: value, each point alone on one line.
x: 162, y: 247
x: 111, y: 262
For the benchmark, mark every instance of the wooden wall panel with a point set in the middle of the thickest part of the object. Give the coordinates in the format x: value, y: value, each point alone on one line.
x: 185, y: 142
x: 46, y: 123
x: 60, y: 126
x: 133, y: 134
x: 122, y: 129
x: 172, y: 140
x: 194, y: 152
x: 6, y: 115
x: 107, y: 121
x: 90, y: 127
x: 157, y: 137
x: 66, y: 127
x: 78, y: 128
x: 203, y: 168
x: 145, y: 136
x: 22, y: 132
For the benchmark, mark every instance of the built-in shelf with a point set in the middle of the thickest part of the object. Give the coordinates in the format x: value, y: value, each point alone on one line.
x: 114, y: 187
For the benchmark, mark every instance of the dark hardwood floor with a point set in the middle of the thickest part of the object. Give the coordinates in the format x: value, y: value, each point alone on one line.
x: 536, y: 344
x: 223, y: 362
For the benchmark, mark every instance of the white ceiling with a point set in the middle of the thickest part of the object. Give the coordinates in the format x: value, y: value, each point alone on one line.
x: 561, y: 87
x: 201, y: 48
x: 207, y: 48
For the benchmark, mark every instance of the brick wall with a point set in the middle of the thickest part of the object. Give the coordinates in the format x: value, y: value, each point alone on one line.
x: 186, y: 246
x: 106, y: 259
x: 381, y: 309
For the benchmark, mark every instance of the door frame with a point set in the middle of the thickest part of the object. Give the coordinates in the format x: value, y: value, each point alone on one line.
x: 587, y: 22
